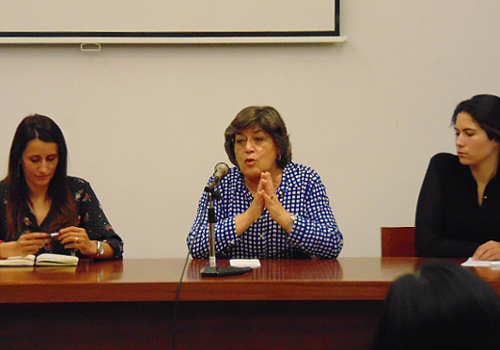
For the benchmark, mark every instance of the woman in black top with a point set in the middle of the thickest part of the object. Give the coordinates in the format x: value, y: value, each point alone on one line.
x: 38, y: 198
x: 458, y: 209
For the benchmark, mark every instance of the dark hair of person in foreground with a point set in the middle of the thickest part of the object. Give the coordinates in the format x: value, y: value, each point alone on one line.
x: 442, y: 306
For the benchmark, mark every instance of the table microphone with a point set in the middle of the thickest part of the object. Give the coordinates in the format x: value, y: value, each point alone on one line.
x: 212, y: 270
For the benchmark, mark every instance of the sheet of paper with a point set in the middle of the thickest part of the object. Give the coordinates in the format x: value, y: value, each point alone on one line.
x: 253, y: 263
x: 471, y: 262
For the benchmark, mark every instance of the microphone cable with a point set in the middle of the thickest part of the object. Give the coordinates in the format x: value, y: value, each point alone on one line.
x: 204, y: 210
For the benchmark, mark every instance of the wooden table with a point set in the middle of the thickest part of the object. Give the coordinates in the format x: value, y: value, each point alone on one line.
x: 131, y: 304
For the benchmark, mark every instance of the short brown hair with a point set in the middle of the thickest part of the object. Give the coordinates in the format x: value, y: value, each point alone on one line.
x: 270, y: 120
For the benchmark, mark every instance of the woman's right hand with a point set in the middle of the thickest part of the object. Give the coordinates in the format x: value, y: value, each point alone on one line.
x: 488, y: 251
x: 26, y: 244
x: 252, y: 214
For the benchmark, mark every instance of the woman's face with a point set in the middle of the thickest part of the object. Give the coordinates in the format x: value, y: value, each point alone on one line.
x: 40, y: 161
x: 474, y: 148
x: 255, y: 152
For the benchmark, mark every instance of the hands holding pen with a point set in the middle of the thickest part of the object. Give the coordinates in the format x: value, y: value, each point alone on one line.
x: 29, y: 243
x: 76, y: 238
x: 71, y: 237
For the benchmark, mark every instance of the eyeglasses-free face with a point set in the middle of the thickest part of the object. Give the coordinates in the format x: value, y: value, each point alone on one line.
x: 474, y: 148
x: 40, y: 160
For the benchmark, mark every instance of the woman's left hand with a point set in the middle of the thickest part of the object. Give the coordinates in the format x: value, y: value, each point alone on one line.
x: 272, y: 202
x: 488, y: 251
x: 77, y: 238
x: 268, y: 192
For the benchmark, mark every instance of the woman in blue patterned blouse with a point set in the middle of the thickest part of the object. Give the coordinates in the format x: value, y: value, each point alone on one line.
x: 38, y: 198
x: 270, y: 207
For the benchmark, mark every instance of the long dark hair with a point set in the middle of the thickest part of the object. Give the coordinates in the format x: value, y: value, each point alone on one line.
x: 18, y: 194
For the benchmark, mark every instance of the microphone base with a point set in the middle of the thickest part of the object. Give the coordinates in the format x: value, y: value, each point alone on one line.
x: 224, y: 271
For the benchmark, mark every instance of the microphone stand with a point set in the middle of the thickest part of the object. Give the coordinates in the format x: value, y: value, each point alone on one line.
x: 212, y: 270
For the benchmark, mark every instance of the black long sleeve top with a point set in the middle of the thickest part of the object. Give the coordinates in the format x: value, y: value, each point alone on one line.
x: 450, y: 222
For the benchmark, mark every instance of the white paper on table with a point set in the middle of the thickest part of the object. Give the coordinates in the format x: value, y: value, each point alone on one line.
x: 253, y: 263
x: 471, y: 262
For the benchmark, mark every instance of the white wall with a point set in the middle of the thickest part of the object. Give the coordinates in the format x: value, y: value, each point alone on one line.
x: 145, y: 124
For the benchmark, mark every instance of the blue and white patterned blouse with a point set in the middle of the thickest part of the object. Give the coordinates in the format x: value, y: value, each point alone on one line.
x: 301, y: 192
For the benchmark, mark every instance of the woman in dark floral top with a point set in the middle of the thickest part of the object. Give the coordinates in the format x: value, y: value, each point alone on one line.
x: 42, y: 209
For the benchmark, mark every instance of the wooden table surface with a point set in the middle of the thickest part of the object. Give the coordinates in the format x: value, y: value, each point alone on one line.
x: 158, y: 280
x: 284, y: 304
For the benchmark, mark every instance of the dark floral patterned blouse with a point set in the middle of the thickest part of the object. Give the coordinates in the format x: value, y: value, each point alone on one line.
x: 91, y: 217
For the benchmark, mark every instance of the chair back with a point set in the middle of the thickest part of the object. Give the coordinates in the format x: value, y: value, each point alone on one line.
x: 398, y: 241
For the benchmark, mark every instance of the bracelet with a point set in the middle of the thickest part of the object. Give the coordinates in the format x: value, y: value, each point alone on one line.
x: 100, y: 250
x: 290, y: 225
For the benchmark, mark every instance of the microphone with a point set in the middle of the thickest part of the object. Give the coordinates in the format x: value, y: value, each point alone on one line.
x: 220, y: 170
x: 212, y: 270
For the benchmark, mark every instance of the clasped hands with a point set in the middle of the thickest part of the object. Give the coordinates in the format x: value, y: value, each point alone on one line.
x: 264, y: 198
x: 71, y: 237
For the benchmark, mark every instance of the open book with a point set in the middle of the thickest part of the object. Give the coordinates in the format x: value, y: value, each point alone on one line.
x: 46, y: 259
